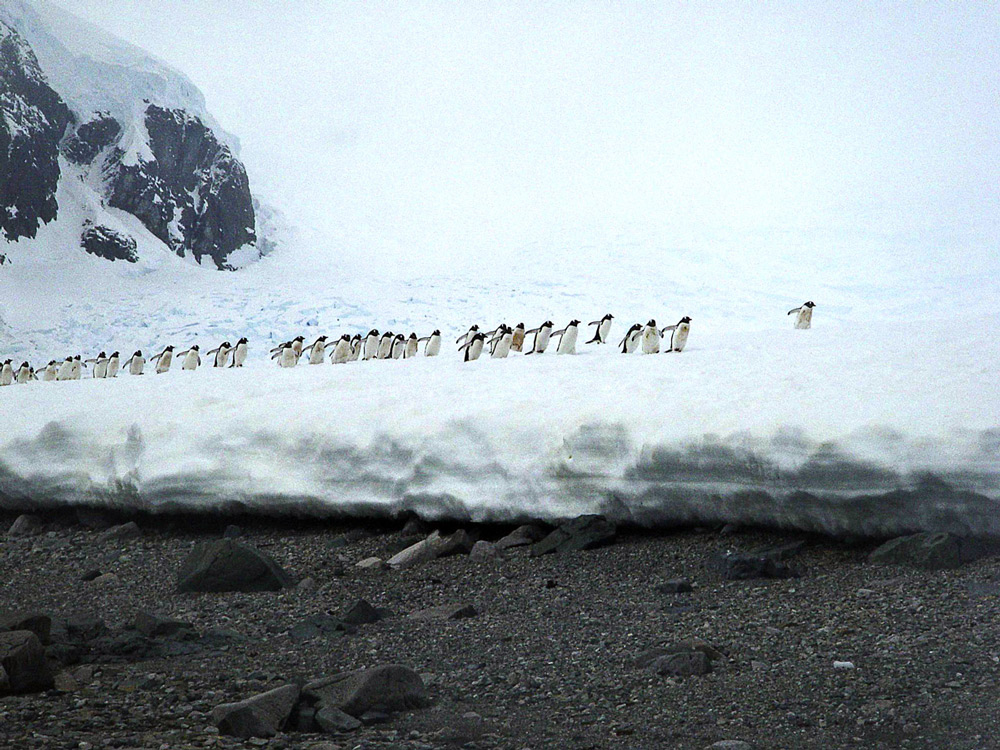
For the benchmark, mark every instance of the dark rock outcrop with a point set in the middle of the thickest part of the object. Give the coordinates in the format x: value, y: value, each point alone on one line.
x: 23, y: 668
x: 263, y: 715
x: 91, y: 138
x: 584, y: 532
x: 388, y: 688
x: 229, y: 565
x: 108, y: 244
x: 934, y: 551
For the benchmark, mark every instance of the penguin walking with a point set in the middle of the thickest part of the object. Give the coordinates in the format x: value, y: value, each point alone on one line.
x: 473, y: 347
x: 412, y: 347
x: 342, y: 350
x: 678, y: 334
x: 370, y: 348
x: 24, y: 374
x: 164, y: 359
x: 65, y: 370
x: 100, y: 365
x: 114, y: 364
x: 240, y: 353
x: 517, y: 340
x: 191, y: 358
x: 650, y: 338
x: 542, y: 335
x: 6, y: 373
x: 805, y: 315
x: 501, y: 343
x: 398, y: 346
x: 384, y: 346
x: 286, y: 355
x: 221, y: 352
x: 317, y: 351
x: 51, y: 370
x: 603, y: 329
x: 467, y: 336
x: 567, y: 338
x: 631, y: 341
x: 136, y: 363
x: 75, y: 370
x: 433, y: 347
x: 356, y: 346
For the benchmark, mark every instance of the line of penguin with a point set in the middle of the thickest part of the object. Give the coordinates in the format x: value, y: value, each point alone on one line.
x: 500, y: 342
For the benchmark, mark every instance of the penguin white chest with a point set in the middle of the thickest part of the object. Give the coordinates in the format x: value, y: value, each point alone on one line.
x: 288, y: 357
x: 240, y: 355
x: 680, y: 337
x: 101, y: 369
x: 650, y: 340
x: 164, y: 362
x: 316, y: 355
x: 112, y: 367
x: 542, y: 340
x: 342, y: 352
x: 502, y: 349
x: 136, y: 365
x: 567, y: 344
x: 804, y: 318
x: 6, y: 375
x: 433, y: 347
x: 190, y: 361
x: 50, y: 373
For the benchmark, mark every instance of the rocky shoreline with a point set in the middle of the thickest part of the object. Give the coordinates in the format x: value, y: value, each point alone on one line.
x: 407, y: 635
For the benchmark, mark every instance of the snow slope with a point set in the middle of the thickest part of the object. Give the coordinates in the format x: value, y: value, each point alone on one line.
x: 873, y: 430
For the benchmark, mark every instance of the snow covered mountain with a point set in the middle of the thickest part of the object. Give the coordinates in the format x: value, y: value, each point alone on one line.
x: 114, y: 146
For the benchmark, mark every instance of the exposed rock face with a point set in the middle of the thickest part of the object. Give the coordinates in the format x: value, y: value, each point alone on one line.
x: 229, y: 565
x: 33, y: 119
x: 107, y: 243
x: 91, y: 138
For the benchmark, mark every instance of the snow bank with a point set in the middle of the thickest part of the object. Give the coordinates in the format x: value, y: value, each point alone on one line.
x: 848, y: 430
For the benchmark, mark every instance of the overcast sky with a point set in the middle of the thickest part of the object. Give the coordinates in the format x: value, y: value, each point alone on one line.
x: 450, y: 125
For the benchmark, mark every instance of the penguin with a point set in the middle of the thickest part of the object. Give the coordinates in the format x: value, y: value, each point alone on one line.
x: 135, y: 363
x: 221, y: 352
x: 192, y: 358
x: 501, y: 343
x: 631, y: 340
x: 371, y: 345
x: 465, y: 337
x: 542, y: 335
x: 517, y: 340
x: 398, y: 346
x: 412, y: 347
x: 75, y: 372
x: 650, y: 338
x: 51, y: 369
x: 114, y: 364
x: 6, y: 373
x: 567, y: 338
x: 164, y: 360
x: 296, y: 345
x: 356, y: 346
x: 286, y: 356
x: 433, y: 347
x: 679, y: 334
x: 100, y: 365
x: 239, y: 353
x: 342, y: 350
x: 805, y: 315
x: 317, y: 351
x: 65, y: 370
x: 473, y: 347
x: 384, y: 346
x: 603, y: 328
x: 24, y: 374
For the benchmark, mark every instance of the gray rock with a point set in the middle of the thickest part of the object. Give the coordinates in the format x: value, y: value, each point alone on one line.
x: 232, y: 531
x: 26, y: 525
x: 417, y: 554
x: 521, y: 536
x: 122, y: 532
x: 415, y: 527
x: 446, y: 612
x: 675, y: 586
x: 22, y: 658
x: 372, y: 563
x: 459, y: 543
x: 230, y: 565
x: 331, y: 720
x: 38, y: 623
x: 730, y: 745
x: 155, y: 626
x: 263, y: 715
x: 583, y: 532
x: 483, y: 550
x: 934, y: 551
x: 361, y: 613
x: 389, y: 687
x: 739, y: 566
x: 647, y: 658
x: 683, y: 664
x: 318, y: 625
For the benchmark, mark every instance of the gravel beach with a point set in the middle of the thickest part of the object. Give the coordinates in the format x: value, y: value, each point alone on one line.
x: 576, y: 649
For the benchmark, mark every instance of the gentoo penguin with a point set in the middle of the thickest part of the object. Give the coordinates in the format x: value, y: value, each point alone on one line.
x: 239, y: 353
x: 296, y: 345
x: 100, y: 365
x: 113, y: 365
x: 603, y: 328
x: 65, y: 370
x: 24, y: 373
x: 466, y: 337
x: 286, y: 356
x: 433, y: 344
x: 631, y: 340
x: 517, y: 340
x: 805, y: 315
x: 567, y: 338
x: 370, y: 348
x: 473, y: 347
x: 135, y: 363
x: 75, y: 370
x: 398, y: 346
x: 51, y: 369
x: 356, y: 346
x: 342, y: 350
x: 542, y: 335
x: 317, y: 351
x: 6, y: 373
x: 679, y: 334
x: 164, y: 360
x: 384, y: 346
x: 412, y: 346
x: 501, y: 343
x: 221, y: 352
x: 192, y: 358
x: 650, y: 338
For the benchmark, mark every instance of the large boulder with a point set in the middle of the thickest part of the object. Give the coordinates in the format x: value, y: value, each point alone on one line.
x: 417, y: 554
x: 522, y: 536
x: 934, y: 551
x: 583, y: 532
x: 23, y: 668
x: 37, y: 622
x: 388, y: 688
x: 230, y: 565
x: 262, y: 715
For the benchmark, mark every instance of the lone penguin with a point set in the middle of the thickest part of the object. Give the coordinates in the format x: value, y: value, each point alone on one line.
x: 542, y: 335
x: 678, y: 334
x: 650, y: 338
x: 567, y: 338
x: 603, y: 329
x: 805, y: 315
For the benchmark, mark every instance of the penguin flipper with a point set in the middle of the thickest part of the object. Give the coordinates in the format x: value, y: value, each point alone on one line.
x: 795, y: 310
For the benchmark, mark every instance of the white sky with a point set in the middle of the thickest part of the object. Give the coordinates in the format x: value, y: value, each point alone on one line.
x: 444, y: 128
